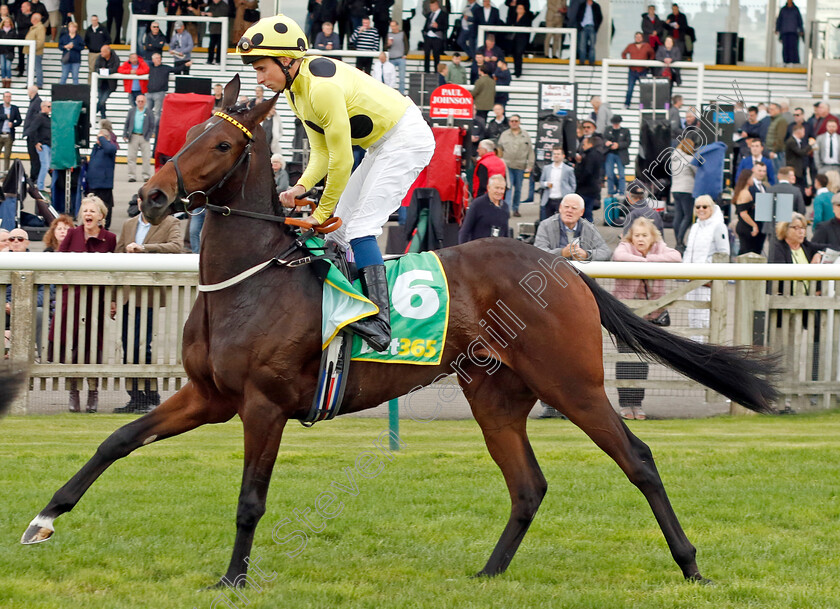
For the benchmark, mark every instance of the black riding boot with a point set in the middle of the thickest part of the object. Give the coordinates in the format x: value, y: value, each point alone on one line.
x: 376, y: 329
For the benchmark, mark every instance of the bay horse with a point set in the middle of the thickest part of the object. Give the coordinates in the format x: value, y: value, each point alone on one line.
x: 254, y: 349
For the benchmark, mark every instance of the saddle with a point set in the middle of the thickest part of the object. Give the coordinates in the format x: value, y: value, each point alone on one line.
x: 419, y: 315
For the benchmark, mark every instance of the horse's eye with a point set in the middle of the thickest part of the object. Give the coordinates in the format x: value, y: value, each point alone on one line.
x: 223, y: 146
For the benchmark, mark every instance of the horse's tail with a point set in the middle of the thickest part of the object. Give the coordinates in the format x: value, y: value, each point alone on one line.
x: 742, y: 374
x: 10, y: 383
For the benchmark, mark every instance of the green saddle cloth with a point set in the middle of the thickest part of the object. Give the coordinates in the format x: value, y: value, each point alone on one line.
x: 419, y: 310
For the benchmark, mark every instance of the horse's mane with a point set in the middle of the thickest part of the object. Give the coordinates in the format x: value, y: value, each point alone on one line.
x: 276, y: 208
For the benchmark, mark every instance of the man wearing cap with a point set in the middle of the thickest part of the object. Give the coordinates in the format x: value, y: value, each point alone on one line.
x: 340, y: 107
x: 637, y: 205
x: 181, y: 46
x: 617, y: 143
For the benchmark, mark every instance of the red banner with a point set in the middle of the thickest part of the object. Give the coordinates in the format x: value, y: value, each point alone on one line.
x: 451, y: 100
x: 181, y: 111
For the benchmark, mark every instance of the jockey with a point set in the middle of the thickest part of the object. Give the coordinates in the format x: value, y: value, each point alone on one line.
x: 340, y: 106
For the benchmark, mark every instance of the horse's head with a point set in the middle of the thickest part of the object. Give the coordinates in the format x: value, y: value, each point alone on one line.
x: 214, y: 154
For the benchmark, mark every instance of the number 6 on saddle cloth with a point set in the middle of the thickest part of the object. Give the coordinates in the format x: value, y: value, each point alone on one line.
x: 419, y: 318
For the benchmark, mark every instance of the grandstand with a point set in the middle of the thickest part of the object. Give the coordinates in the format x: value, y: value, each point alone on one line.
x: 755, y: 84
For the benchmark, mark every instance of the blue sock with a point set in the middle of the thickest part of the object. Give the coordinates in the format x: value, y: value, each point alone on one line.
x: 366, y: 251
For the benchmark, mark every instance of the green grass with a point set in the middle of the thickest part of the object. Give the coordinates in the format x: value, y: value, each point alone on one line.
x: 759, y: 498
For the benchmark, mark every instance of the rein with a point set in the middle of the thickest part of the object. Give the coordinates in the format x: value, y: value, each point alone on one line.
x: 299, y: 244
x: 327, y: 227
x: 279, y: 260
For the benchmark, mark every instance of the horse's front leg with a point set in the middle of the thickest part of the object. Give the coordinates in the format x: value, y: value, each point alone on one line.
x: 263, y: 426
x: 185, y: 410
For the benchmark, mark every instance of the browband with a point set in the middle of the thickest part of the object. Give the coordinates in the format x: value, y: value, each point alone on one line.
x: 235, y: 123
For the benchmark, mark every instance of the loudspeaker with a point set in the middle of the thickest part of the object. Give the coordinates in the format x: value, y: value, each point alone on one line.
x: 77, y: 93
x: 727, y: 48
x: 193, y: 84
x: 654, y: 93
x: 420, y: 87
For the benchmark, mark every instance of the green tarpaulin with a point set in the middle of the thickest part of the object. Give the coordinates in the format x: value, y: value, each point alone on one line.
x: 63, y: 121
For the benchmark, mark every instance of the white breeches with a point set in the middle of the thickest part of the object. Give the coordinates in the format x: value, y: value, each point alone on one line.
x: 379, y: 184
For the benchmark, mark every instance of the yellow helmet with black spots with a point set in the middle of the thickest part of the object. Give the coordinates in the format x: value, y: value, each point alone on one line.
x: 277, y: 36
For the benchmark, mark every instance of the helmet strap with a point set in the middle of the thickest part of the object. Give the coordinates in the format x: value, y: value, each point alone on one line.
x: 285, y: 69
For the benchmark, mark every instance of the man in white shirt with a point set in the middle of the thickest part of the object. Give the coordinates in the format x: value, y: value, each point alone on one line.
x: 828, y: 148
x: 557, y: 180
x: 384, y: 71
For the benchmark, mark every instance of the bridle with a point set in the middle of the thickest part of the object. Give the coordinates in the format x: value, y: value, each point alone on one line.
x: 280, y: 260
x: 184, y: 197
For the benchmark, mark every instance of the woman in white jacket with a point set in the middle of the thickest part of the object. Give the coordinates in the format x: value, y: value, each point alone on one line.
x: 707, y: 237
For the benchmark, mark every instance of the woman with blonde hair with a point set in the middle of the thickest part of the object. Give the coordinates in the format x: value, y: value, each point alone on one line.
x: 791, y: 245
x: 833, y: 180
x: 642, y: 243
x: 7, y: 53
x: 89, y: 237
x: 708, y: 236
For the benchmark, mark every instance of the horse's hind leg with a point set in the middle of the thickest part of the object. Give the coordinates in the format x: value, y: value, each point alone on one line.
x: 593, y: 413
x: 184, y: 411
x: 501, y: 403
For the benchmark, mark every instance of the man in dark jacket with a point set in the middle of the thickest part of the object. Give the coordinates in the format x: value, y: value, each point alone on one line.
x: 9, y: 119
x: 786, y: 185
x: 677, y: 24
x: 100, y: 171
x: 488, y: 215
x: 153, y: 41
x: 96, y: 36
x: 219, y: 8
x: 108, y: 61
x: 588, y: 175
x: 798, y: 154
x: 483, y: 14
x: 434, y: 34
x: 23, y: 21
x: 40, y: 130
x: 617, y: 143
x: 32, y: 111
x: 653, y: 28
x: 144, y: 7
x: 789, y: 29
x: 589, y: 18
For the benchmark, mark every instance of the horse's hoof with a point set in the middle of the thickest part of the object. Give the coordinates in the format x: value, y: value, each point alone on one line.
x: 700, y: 580
x: 482, y: 574
x: 36, y: 534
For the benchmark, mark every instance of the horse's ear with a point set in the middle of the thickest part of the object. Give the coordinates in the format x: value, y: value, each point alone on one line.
x: 261, y: 110
x: 231, y: 93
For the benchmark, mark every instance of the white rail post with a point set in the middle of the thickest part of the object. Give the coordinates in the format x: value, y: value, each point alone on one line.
x: 225, y: 42
x: 23, y: 312
x: 94, y: 96
x: 605, y: 69
x: 30, y: 70
x: 701, y: 80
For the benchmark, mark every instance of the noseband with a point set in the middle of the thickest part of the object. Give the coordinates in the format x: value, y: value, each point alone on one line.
x: 245, y: 155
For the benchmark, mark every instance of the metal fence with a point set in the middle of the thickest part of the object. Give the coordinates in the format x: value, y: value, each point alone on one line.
x: 101, y: 317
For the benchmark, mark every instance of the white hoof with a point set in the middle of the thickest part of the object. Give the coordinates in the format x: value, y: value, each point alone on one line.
x: 40, y: 529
